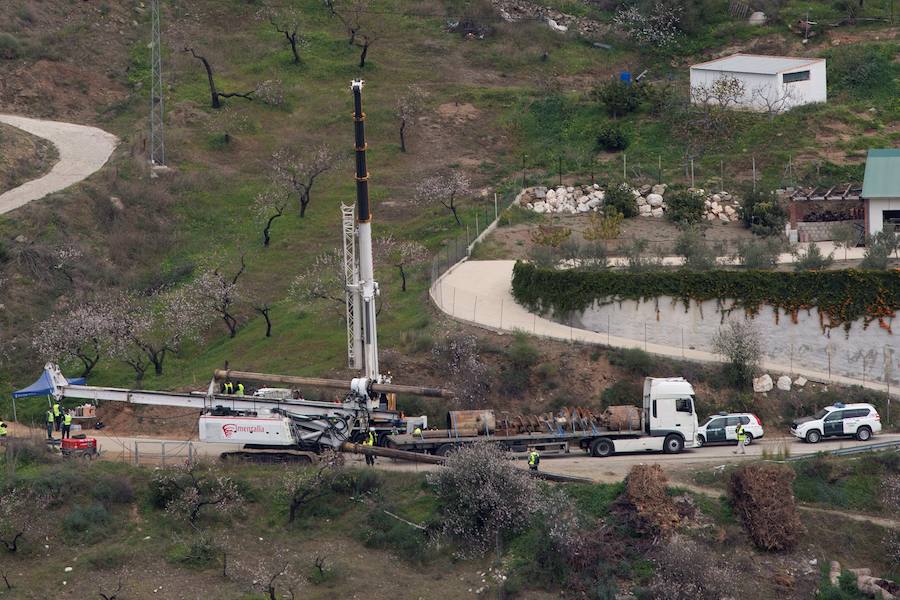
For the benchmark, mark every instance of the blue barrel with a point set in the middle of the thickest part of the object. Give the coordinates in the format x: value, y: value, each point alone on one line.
x: 625, y: 76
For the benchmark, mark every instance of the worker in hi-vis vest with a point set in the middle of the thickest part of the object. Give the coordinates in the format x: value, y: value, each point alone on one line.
x: 534, y: 459
x: 49, y: 423
x: 67, y: 424
x: 369, y: 441
x: 57, y: 415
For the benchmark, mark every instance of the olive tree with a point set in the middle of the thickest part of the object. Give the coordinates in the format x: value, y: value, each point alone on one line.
x: 739, y: 343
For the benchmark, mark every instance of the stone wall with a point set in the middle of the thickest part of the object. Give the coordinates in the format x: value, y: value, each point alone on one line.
x: 865, y: 354
x: 819, y: 232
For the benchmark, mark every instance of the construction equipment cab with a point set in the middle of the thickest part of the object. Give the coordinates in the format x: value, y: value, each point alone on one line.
x: 669, y: 415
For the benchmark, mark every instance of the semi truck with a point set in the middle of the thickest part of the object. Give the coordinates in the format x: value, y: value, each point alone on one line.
x: 666, y: 422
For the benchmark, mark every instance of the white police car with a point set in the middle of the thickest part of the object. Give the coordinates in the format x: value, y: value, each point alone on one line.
x: 721, y: 428
x: 859, y: 420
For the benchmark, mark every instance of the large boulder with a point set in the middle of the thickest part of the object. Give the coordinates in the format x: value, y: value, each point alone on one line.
x: 644, y: 210
x: 655, y: 200
x: 757, y: 18
x: 657, y: 212
x: 540, y: 193
x: 762, y: 384
x: 540, y: 207
x: 784, y: 383
x: 659, y: 188
x: 801, y: 381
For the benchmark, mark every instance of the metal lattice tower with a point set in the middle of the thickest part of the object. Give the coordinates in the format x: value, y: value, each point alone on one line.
x: 157, y: 131
x: 351, y: 282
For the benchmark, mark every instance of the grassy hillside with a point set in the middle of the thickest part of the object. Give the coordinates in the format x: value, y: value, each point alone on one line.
x: 523, y: 89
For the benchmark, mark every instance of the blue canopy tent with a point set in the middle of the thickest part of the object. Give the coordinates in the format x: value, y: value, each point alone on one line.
x: 42, y: 387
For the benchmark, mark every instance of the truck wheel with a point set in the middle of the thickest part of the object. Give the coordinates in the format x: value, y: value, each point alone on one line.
x: 602, y: 447
x: 444, y: 449
x: 813, y: 437
x: 701, y: 441
x: 673, y: 444
x: 863, y: 434
x: 748, y: 439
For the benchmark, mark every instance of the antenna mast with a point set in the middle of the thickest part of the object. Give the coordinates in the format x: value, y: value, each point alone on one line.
x: 157, y: 132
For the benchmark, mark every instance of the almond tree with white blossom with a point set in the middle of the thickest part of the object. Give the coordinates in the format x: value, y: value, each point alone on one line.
x: 445, y: 189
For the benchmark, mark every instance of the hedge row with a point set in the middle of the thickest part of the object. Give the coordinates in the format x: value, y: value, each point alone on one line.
x: 841, y: 297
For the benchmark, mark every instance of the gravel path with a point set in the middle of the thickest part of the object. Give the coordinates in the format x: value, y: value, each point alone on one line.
x: 82, y: 151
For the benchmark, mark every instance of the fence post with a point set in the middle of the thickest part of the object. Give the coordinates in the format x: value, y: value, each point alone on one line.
x: 607, y: 331
x: 496, y: 214
x: 659, y: 168
x: 453, y: 308
x: 624, y: 167
x: 645, y: 336
x: 137, y: 460
x: 163, y: 453
x: 682, y: 342
x: 754, y: 184
x: 475, y: 309
x: 476, y: 223
x: 692, y: 171
x: 501, y: 313
x: 467, y: 233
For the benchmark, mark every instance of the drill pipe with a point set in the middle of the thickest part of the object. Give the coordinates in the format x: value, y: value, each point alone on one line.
x: 341, y: 384
x: 439, y: 460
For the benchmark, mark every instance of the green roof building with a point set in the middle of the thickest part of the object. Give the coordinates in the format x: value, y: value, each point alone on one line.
x: 881, y: 190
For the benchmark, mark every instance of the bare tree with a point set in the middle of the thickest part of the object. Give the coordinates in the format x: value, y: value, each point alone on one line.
x: 214, y: 94
x: 772, y: 100
x: 444, y: 189
x: 286, y: 21
x: 485, y: 496
x: 220, y: 293
x: 322, y: 280
x: 467, y: 375
x: 113, y: 595
x: 360, y: 31
x: 297, y: 173
x: 401, y: 254
x: 409, y: 106
x: 196, y: 488
x: 82, y: 334
x: 739, y: 343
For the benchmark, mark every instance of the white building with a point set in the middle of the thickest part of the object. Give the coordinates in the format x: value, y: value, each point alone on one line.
x: 773, y: 83
x: 881, y: 190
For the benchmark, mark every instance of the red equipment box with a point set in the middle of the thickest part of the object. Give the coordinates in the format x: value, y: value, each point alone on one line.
x: 84, y: 444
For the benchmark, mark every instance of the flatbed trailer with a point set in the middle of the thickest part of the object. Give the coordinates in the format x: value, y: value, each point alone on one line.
x: 596, y: 443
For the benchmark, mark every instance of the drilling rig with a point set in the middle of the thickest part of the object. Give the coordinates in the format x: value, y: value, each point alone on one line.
x: 293, y: 428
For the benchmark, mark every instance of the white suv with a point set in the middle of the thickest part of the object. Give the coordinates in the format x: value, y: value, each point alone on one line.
x: 860, y: 420
x: 721, y: 428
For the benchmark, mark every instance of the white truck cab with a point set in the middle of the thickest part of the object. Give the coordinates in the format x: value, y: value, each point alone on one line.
x: 669, y: 420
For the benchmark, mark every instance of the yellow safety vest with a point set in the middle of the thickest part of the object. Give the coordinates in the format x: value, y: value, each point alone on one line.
x: 533, y: 458
x: 55, y: 409
x: 67, y: 420
x: 739, y: 430
x: 240, y: 389
x: 370, y: 440
x: 229, y: 388
x: 49, y: 416
x: 2, y: 429
x: 417, y: 431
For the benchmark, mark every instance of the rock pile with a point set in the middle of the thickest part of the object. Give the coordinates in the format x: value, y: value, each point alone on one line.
x: 720, y: 205
x: 651, y: 201
x: 571, y: 199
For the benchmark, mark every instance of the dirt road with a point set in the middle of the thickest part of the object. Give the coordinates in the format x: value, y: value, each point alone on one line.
x: 82, y: 151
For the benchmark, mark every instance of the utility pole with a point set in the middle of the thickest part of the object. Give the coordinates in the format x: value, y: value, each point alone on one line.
x: 157, y: 132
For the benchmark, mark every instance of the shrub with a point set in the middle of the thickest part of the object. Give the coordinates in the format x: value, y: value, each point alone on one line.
x: 356, y: 482
x: 200, y: 552
x: 10, y: 46
x: 82, y: 519
x: 621, y: 392
x: 113, y: 490
x: 645, y: 504
x: 762, y: 213
x: 684, y: 207
x: 685, y: 570
x: 760, y: 254
x: 698, y: 255
x: 863, y: 70
x: 621, y: 199
x: 612, y: 138
x: 811, y: 259
x: 521, y: 356
x: 107, y: 557
x: 879, y: 248
x: 739, y: 343
x: 636, y: 260
x: 632, y: 360
x: 384, y: 531
x: 618, y: 98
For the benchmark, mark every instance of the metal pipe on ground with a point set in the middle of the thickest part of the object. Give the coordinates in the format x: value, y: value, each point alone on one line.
x: 343, y: 384
x: 439, y: 460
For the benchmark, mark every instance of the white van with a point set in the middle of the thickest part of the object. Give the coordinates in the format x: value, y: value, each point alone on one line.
x: 859, y: 420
